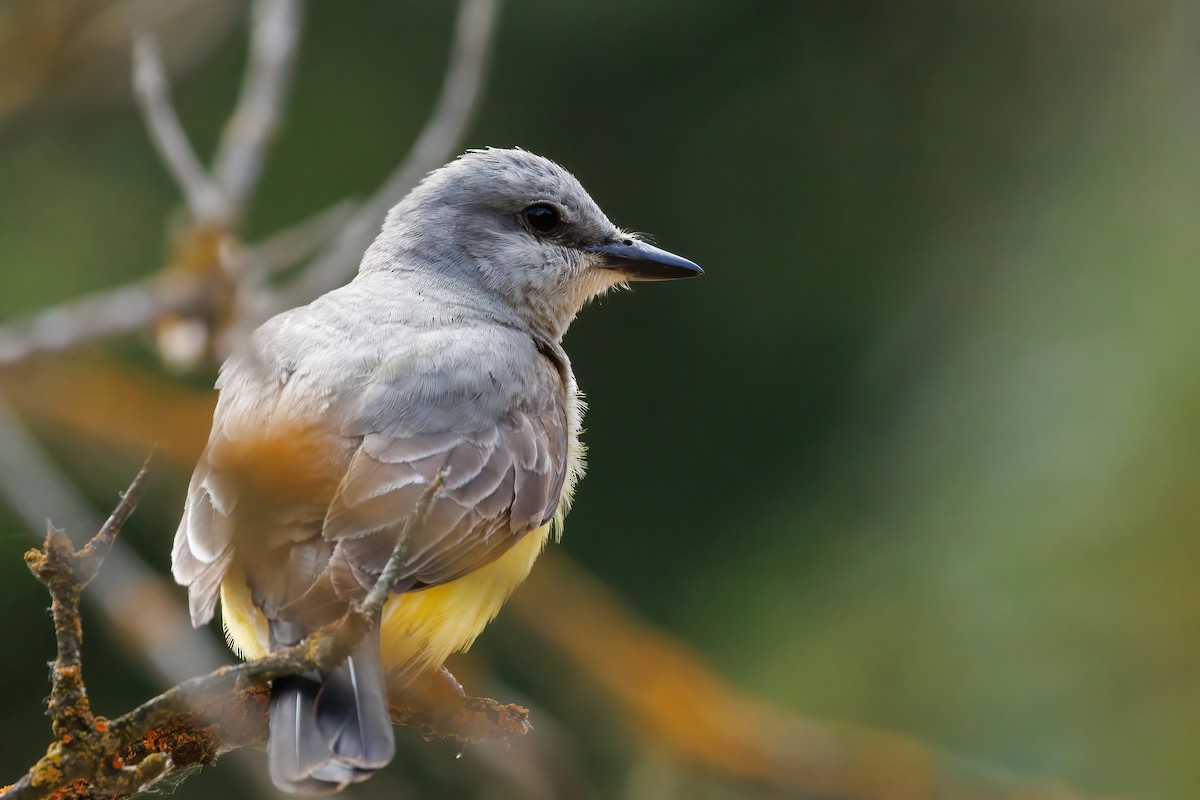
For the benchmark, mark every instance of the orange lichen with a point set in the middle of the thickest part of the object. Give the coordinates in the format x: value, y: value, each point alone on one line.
x: 76, y: 790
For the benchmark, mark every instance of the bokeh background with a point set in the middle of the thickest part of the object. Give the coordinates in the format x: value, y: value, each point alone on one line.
x: 919, y: 453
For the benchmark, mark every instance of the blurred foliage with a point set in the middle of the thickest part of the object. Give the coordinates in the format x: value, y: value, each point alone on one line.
x: 920, y: 450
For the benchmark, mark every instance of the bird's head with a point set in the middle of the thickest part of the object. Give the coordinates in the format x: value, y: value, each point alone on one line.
x: 523, y: 230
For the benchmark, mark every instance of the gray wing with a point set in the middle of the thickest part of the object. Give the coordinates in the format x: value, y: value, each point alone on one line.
x: 504, y: 481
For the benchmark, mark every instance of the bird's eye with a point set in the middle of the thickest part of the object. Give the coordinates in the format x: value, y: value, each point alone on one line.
x: 542, y: 218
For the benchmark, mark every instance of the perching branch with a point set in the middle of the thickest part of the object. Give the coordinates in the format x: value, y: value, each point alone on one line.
x: 194, y: 722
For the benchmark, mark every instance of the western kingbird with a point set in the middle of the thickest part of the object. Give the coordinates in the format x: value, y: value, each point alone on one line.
x: 443, y: 352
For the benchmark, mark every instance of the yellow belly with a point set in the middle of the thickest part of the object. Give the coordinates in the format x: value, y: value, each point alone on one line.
x: 420, y: 630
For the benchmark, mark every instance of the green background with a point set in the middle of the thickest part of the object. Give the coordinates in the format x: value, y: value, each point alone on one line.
x: 919, y: 452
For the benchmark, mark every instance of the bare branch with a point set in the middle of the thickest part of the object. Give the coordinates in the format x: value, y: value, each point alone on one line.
x: 206, y: 202
x: 68, y: 705
x: 248, y: 133
x: 64, y: 572
x: 435, y: 704
x: 461, y: 90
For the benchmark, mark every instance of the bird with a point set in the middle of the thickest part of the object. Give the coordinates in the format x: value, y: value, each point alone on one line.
x: 442, y: 356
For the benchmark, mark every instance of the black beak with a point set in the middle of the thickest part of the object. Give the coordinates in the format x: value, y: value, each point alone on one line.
x: 639, y: 261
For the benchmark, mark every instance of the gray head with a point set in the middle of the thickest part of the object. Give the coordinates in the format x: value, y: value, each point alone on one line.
x: 522, y: 229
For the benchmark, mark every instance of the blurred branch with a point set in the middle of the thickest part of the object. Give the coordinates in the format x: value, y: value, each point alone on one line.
x: 248, y: 133
x: 103, y: 315
x: 299, y: 242
x: 474, y: 33
x: 220, y: 199
x: 204, y: 199
x: 204, y: 290
x: 682, y: 707
x: 192, y: 723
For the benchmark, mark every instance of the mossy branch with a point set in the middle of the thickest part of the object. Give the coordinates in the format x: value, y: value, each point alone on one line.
x: 193, y: 723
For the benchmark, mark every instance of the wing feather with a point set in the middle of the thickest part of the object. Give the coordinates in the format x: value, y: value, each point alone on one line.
x: 504, y: 481
x: 203, y: 548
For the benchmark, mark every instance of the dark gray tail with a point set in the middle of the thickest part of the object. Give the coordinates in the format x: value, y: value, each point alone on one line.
x: 327, y: 731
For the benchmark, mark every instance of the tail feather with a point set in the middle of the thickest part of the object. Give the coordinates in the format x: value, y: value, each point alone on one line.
x: 293, y: 751
x: 352, y: 709
x: 327, y: 731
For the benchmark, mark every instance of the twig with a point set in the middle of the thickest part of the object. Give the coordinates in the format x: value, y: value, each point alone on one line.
x: 204, y: 199
x: 474, y: 32
x: 435, y: 703
x: 92, y: 556
x: 238, y: 164
x: 57, y: 567
x: 68, y: 705
x: 372, y: 604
